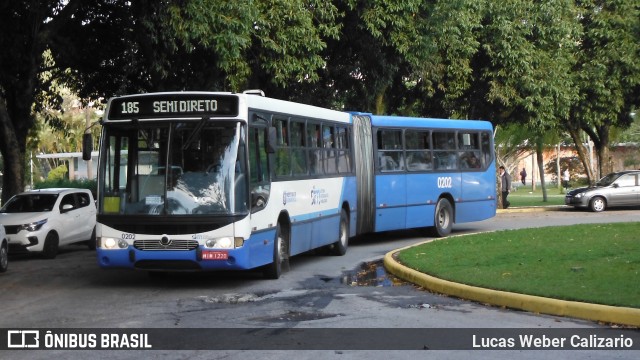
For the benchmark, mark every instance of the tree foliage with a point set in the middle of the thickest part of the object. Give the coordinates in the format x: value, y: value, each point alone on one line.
x: 557, y: 65
x: 102, y: 48
x: 607, y: 71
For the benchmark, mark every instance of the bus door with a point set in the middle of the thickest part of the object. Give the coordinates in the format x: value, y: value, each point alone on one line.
x: 391, y: 185
x: 421, y: 182
x: 478, y: 180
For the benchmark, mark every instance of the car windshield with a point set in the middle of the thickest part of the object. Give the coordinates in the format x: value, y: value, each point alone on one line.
x: 608, y: 180
x: 25, y: 203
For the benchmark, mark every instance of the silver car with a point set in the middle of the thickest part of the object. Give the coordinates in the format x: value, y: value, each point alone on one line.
x: 616, y: 189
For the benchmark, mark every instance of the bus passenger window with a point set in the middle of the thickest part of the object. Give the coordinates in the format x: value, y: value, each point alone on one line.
x: 418, y: 150
x: 314, y: 141
x: 443, y: 143
x: 390, y: 150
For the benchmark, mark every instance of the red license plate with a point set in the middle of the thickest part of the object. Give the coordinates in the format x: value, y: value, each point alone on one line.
x: 215, y: 255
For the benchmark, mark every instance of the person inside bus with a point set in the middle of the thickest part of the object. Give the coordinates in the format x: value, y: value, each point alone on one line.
x: 469, y: 161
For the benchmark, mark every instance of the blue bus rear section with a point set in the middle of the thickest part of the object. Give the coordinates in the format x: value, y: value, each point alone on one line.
x: 407, y: 199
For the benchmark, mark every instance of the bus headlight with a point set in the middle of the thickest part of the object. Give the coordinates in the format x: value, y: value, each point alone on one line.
x: 111, y: 243
x: 221, y: 243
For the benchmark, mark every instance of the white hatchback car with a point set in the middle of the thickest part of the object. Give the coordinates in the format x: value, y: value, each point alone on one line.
x: 4, y: 250
x: 41, y: 220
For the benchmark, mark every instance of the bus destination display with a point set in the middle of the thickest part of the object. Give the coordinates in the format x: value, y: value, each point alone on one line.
x: 162, y: 106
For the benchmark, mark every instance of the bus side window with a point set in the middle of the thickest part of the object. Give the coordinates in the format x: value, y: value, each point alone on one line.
x: 314, y: 141
x: 283, y: 150
x: 418, y: 149
x: 390, y: 150
x: 298, y: 153
x: 259, y: 180
x: 444, y: 146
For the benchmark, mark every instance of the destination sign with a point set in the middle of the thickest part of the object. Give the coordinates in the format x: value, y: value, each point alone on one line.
x: 172, y: 105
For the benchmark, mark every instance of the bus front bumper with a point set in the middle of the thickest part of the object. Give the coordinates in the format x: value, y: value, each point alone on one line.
x: 192, y: 260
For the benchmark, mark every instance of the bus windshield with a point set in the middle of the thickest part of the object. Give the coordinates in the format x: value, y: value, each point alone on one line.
x: 174, y: 168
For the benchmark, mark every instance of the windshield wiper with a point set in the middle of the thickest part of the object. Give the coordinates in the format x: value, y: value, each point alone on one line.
x: 195, y: 132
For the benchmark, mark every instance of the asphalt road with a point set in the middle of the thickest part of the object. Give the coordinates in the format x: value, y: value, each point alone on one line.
x: 319, y: 291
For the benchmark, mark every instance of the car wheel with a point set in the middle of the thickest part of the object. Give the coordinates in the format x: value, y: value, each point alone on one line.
x: 50, y: 249
x: 339, y: 247
x: 92, y: 242
x: 4, y: 258
x: 598, y: 204
x: 443, y: 218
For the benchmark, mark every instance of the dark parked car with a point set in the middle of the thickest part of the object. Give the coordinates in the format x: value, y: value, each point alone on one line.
x: 616, y: 189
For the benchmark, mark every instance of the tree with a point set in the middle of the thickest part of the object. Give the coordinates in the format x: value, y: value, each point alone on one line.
x: 102, y: 48
x: 369, y: 62
x: 607, y: 72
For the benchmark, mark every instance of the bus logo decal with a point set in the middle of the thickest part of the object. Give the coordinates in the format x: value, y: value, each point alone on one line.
x: 288, y: 197
x: 319, y: 196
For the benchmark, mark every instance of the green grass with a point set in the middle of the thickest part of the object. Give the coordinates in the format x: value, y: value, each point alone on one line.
x: 589, y: 263
x: 524, y: 196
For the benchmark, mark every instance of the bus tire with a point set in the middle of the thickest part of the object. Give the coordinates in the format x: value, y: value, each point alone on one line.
x: 442, y: 219
x: 339, y: 247
x: 50, y: 248
x: 280, y: 255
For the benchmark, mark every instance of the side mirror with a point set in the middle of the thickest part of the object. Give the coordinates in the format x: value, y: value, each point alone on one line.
x: 87, y: 146
x: 272, y: 139
x: 66, y: 208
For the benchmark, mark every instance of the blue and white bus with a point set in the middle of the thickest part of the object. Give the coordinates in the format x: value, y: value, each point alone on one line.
x: 222, y: 181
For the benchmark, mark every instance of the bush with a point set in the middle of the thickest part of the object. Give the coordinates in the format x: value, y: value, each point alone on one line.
x: 59, y: 173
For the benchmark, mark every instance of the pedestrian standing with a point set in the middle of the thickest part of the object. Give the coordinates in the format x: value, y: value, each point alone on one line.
x: 523, y: 176
x: 505, y: 187
x: 565, y: 178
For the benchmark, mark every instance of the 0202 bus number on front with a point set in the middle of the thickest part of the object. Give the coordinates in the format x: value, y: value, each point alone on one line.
x: 445, y: 182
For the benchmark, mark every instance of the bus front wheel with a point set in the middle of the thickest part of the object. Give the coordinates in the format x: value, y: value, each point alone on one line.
x: 443, y: 218
x: 339, y: 247
x: 280, y: 254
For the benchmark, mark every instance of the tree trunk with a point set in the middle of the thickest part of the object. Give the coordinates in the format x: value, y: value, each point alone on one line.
x: 583, y: 157
x: 540, y: 159
x: 605, y: 162
x: 12, y: 179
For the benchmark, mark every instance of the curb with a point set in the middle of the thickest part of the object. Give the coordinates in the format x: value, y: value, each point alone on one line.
x: 534, y: 209
x: 531, y: 303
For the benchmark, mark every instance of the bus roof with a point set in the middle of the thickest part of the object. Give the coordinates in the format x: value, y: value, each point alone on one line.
x: 400, y: 121
x: 257, y: 102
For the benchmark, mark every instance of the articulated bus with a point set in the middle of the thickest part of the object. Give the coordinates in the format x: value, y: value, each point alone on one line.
x: 193, y: 181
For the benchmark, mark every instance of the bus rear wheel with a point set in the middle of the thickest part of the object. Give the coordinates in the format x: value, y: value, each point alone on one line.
x: 443, y: 218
